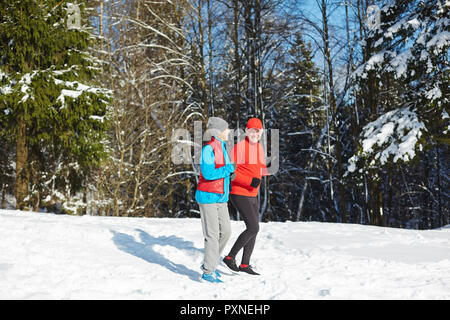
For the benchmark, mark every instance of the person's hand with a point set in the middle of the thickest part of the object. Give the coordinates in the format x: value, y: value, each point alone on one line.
x: 233, y: 176
x: 234, y: 165
x: 255, y: 183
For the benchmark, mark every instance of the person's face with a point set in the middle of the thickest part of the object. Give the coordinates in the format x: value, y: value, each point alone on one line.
x: 224, y: 135
x: 253, y: 134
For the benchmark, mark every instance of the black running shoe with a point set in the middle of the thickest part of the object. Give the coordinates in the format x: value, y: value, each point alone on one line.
x: 231, y: 264
x: 249, y: 270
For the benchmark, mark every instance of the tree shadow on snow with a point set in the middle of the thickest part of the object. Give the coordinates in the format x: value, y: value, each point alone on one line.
x: 144, y: 250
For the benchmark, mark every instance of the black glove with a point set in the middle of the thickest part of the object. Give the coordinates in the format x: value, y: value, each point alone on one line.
x: 255, y: 183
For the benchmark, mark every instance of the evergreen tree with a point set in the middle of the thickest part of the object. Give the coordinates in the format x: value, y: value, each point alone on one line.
x: 54, y: 115
x: 409, y: 56
x: 403, y: 83
x: 299, y: 119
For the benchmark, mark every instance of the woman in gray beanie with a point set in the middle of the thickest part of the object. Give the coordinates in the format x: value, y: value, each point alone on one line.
x: 212, y: 196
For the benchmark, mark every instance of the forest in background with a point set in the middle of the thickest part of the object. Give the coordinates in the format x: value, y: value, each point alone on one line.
x: 358, y: 90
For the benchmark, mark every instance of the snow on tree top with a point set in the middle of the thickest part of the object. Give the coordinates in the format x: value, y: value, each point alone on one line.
x: 394, y: 134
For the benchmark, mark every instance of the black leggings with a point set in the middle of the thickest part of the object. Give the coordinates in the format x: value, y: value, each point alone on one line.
x: 249, y: 209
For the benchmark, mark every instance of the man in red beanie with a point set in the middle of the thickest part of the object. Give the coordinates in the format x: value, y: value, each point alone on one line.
x: 248, y: 154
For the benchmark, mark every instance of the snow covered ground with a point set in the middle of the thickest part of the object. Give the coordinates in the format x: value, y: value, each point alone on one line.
x: 47, y: 256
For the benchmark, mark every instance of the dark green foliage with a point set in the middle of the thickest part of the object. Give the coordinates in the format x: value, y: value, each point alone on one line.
x: 49, y: 83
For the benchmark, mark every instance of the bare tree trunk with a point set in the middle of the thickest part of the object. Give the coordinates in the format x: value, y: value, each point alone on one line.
x: 442, y: 218
x: 101, y: 25
x: 202, y: 76
x: 21, y: 187
x: 211, y: 69
x: 335, y: 127
x: 310, y: 166
x: 2, y: 203
x: 237, y: 63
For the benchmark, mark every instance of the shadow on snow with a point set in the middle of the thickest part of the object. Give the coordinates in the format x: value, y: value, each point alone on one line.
x: 144, y: 249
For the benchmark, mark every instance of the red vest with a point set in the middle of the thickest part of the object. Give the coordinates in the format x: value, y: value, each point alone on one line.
x: 251, y: 163
x: 215, y: 186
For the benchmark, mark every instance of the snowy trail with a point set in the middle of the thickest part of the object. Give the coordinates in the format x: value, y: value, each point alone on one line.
x: 47, y: 256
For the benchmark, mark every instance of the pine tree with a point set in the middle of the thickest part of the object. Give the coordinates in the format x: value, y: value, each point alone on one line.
x: 403, y: 82
x: 54, y: 114
x: 305, y: 81
x: 409, y: 56
x: 298, y: 117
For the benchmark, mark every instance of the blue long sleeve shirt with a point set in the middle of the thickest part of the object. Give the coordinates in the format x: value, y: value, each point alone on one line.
x: 209, y: 172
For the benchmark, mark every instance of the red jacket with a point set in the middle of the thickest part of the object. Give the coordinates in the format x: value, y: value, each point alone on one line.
x: 251, y: 163
x: 215, y: 186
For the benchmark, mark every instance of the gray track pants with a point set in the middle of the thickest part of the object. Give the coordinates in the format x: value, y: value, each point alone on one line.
x: 216, y: 230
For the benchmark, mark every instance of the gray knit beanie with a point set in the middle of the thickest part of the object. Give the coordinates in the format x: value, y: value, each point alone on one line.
x: 216, y: 123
